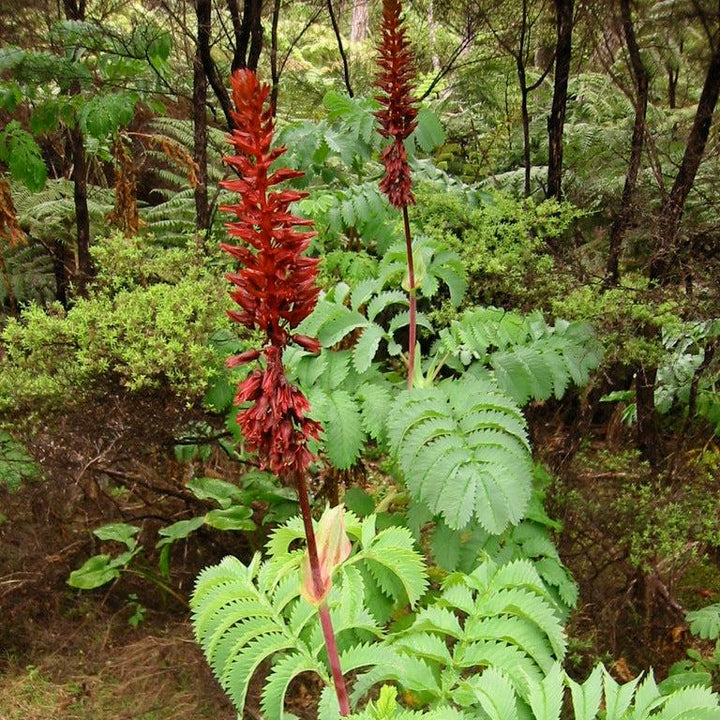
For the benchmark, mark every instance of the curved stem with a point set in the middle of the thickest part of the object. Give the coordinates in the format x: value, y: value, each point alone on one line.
x: 413, y: 303
x: 323, y: 610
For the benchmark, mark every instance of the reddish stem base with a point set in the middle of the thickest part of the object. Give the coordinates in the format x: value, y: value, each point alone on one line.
x: 323, y: 610
x: 412, y: 340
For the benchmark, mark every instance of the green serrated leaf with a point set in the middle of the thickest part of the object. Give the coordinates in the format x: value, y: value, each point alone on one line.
x: 429, y: 132
x: 22, y: 155
x: 366, y: 347
x: 344, y: 434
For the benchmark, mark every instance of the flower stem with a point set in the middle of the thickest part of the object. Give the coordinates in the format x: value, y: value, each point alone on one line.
x: 323, y: 610
x: 413, y: 303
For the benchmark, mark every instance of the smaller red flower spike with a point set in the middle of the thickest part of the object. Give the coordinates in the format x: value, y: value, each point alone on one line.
x: 398, y: 115
x: 275, y: 287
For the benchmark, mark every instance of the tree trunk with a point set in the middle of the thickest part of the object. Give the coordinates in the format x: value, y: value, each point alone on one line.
x: 203, y: 11
x: 648, y: 437
x: 274, y: 69
x: 200, y: 138
x: 82, y: 216
x: 248, y: 45
x: 248, y: 33
x: 642, y: 84
x: 525, y: 120
x: 672, y: 87
x: 360, y: 22
x: 666, y: 251
x: 432, y: 30
x: 556, y: 121
x: 75, y: 10
x: 341, y: 49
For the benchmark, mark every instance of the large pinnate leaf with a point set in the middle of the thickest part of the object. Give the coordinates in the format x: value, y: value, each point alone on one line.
x: 464, y: 451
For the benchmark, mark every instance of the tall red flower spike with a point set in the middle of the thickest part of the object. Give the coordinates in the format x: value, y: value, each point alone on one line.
x: 275, y: 287
x: 398, y: 115
x: 276, y: 291
x: 398, y: 118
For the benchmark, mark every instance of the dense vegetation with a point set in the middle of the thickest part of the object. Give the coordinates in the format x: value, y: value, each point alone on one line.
x: 506, y: 326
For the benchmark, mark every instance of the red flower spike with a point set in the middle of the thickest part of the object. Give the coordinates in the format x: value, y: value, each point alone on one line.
x: 275, y: 287
x: 398, y: 115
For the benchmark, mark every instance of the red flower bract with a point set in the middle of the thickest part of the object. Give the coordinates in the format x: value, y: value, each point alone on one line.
x: 275, y: 287
x: 398, y: 115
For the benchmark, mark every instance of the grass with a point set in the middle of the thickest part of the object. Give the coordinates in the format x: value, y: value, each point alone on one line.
x: 154, y: 678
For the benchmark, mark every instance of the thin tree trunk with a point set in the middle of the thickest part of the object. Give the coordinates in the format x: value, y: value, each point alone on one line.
x: 274, y: 69
x: 432, y: 30
x: 82, y: 215
x: 248, y: 33
x: 671, y: 213
x: 648, y: 437
x: 525, y: 120
x: 556, y: 121
x: 360, y: 23
x: 642, y: 84
x: 75, y: 10
x: 203, y: 12
x: 672, y: 87
x: 341, y: 49
x: 200, y: 139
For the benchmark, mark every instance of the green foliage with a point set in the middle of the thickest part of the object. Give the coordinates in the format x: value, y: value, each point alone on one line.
x: 629, y: 318
x: 599, y: 697
x: 529, y: 540
x: 235, y: 513
x: 464, y: 451
x: 144, y: 330
x: 244, y: 614
x: 700, y: 667
x: 22, y: 155
x: 16, y: 466
x: 529, y: 358
x: 350, y: 404
x: 501, y: 242
x: 103, y: 115
x: 101, y: 569
x: 496, y: 623
x: 49, y: 215
x: 705, y: 623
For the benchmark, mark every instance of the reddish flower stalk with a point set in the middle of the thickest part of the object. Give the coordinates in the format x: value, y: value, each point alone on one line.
x: 275, y: 289
x: 398, y: 118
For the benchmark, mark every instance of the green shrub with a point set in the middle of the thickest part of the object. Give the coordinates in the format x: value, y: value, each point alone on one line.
x: 146, y: 321
x: 502, y: 243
